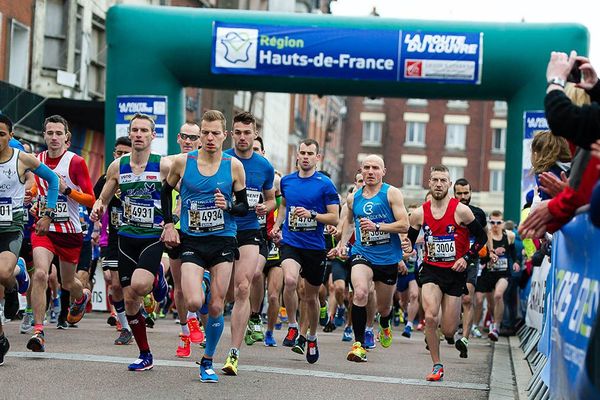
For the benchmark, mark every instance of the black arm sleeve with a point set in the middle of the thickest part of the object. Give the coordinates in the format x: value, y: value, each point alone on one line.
x: 512, y: 252
x: 413, y: 235
x: 166, y: 202
x: 240, y: 207
x: 476, y: 230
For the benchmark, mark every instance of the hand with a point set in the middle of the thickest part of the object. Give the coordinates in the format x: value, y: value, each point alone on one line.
x: 220, y: 201
x: 332, y: 230
x: 493, y: 257
x: 589, y: 75
x: 301, y: 212
x: 170, y: 236
x: 560, y: 65
x: 42, y: 226
x: 97, y: 211
x: 95, y: 237
x: 551, y: 184
x: 275, y: 234
x: 460, y: 265
x: 62, y: 186
x: 260, y: 209
x: 28, y: 197
x: 534, y: 225
x: 402, y: 269
x: 516, y: 267
x: 407, y: 246
x: 596, y: 151
x: 333, y: 253
x: 367, y: 225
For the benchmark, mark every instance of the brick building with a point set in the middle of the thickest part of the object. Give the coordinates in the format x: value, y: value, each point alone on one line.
x: 414, y: 134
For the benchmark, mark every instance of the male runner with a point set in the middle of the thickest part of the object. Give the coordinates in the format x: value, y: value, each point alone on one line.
x: 377, y: 213
x: 208, y: 180
x: 309, y: 202
x: 13, y: 166
x: 447, y: 224
x: 138, y: 176
x: 462, y: 192
x: 407, y: 287
x: 259, y: 182
x: 64, y: 238
x: 110, y: 253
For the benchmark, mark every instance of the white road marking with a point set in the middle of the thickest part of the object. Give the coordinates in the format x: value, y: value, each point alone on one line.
x: 258, y: 369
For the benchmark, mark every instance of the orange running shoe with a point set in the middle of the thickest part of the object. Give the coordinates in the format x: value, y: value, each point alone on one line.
x: 77, y: 310
x: 184, y: 350
x: 437, y: 374
x: 196, y: 334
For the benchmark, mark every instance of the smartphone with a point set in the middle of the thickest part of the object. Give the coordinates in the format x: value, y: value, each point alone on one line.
x: 575, y: 74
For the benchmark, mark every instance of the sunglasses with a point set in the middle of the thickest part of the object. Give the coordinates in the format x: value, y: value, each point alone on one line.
x: 496, y: 222
x: 185, y: 136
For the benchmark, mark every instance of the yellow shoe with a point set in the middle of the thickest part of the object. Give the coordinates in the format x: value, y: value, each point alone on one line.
x: 385, y: 337
x: 231, y: 364
x: 357, y: 354
x: 149, y: 303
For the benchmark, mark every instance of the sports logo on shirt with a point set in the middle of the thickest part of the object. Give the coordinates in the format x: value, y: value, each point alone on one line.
x: 368, y: 208
x: 450, y: 229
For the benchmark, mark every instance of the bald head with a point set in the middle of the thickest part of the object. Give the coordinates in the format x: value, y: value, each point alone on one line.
x: 373, y: 170
x: 373, y: 158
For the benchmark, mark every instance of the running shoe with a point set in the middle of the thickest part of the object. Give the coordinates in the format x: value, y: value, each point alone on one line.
x: 3, y: 320
x: 150, y: 319
x: 231, y: 364
x: 53, y: 315
x: 347, y: 335
x: 62, y: 324
x: 27, y: 323
x: 125, y: 338
x: 184, y: 350
x: 196, y: 334
x: 162, y: 314
x: 421, y: 325
x: 407, y: 331
x: 257, y: 329
x: 329, y: 327
x: 450, y: 340
x: 270, y: 339
x: 290, y: 339
x: 369, y: 340
x: 493, y: 335
x: 22, y: 277
x: 161, y: 287
x: 77, y: 310
x: 323, y: 318
x: 118, y: 326
x: 143, y: 363
x: 4, y: 346
x: 300, y: 345
x: 283, y: 315
x: 149, y: 303
x: 312, y: 351
x: 462, y: 346
x: 385, y: 337
x: 437, y: 374
x: 37, y: 343
x: 475, y: 332
x: 112, y: 320
x: 248, y: 339
x: 396, y: 319
x: 207, y: 373
x: 339, y: 319
x: 357, y: 354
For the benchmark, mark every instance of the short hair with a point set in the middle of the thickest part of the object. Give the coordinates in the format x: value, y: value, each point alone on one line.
x: 123, y: 141
x: 215, y: 115
x: 7, y: 121
x: 439, y: 168
x: 246, y: 118
x: 262, y: 144
x: 142, y: 116
x: 191, y: 122
x: 309, y: 142
x: 461, y: 182
x: 58, y: 119
x: 496, y: 213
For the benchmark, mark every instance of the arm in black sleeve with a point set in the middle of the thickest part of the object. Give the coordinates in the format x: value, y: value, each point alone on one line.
x: 240, y: 207
x: 594, y: 92
x: 166, y: 202
x: 476, y: 230
x: 413, y: 235
x: 512, y: 252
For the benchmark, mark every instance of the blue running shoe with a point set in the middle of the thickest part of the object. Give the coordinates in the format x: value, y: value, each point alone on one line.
x: 270, y: 340
x: 22, y: 277
x: 407, y: 331
x: 143, y: 363
x: 347, y: 335
x: 161, y: 287
x: 207, y: 373
x: 312, y: 351
x: 369, y: 340
x: 339, y: 319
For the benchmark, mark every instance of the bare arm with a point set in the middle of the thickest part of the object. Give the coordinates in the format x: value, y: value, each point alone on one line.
x: 347, y: 223
x: 108, y: 191
x: 400, y: 225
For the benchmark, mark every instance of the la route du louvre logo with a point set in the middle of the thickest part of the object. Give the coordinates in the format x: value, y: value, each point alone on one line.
x: 236, y: 47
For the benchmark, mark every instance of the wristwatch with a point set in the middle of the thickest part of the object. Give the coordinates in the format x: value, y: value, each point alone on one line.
x: 67, y: 191
x: 50, y: 214
x: 557, y: 81
x: 313, y: 215
x: 377, y: 227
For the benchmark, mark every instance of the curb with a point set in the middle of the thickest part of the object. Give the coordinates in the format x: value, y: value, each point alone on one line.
x: 503, y: 385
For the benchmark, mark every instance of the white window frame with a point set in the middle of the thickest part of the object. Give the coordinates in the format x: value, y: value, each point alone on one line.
x: 19, y: 66
x: 502, y: 148
x: 372, y: 133
x: 98, y: 60
x: 417, y: 140
x: 496, y: 180
x: 410, y: 176
x: 62, y: 37
x: 456, y: 136
x: 456, y: 172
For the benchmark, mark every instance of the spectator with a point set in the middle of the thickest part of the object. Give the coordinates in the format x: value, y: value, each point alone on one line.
x: 550, y: 154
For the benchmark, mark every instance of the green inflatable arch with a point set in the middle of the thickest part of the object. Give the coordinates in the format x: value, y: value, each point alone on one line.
x: 161, y: 50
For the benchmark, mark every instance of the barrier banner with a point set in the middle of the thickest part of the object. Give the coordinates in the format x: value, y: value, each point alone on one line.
x: 575, y: 255
x: 536, y: 301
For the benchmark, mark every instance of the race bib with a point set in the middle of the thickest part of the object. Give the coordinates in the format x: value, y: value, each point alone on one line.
x: 116, y: 216
x: 203, y: 218
x: 6, y: 212
x: 298, y: 224
x: 500, y: 265
x: 441, y: 248
x: 139, y: 212
x: 373, y: 238
x: 253, y: 198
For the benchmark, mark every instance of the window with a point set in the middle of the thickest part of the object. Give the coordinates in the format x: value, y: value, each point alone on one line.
x: 415, y: 134
x: 496, y: 180
x: 78, y: 38
x: 500, y: 108
x: 499, y: 140
x: 371, y: 133
x: 417, y: 102
x: 456, y: 172
x: 19, y: 54
x: 455, y: 136
x: 373, y: 101
x: 413, y: 175
x: 457, y: 104
x: 55, y: 35
x: 96, y: 72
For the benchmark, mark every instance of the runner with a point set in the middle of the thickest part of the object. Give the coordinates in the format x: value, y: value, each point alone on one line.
x: 111, y: 222
x: 447, y: 224
x: 65, y: 237
x: 209, y: 180
x: 309, y: 202
x: 138, y: 176
x: 406, y: 287
x: 377, y: 213
x: 259, y: 182
x: 462, y: 192
x: 13, y: 166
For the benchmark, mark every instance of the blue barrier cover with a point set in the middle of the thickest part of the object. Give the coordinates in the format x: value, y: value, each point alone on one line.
x: 575, y: 255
